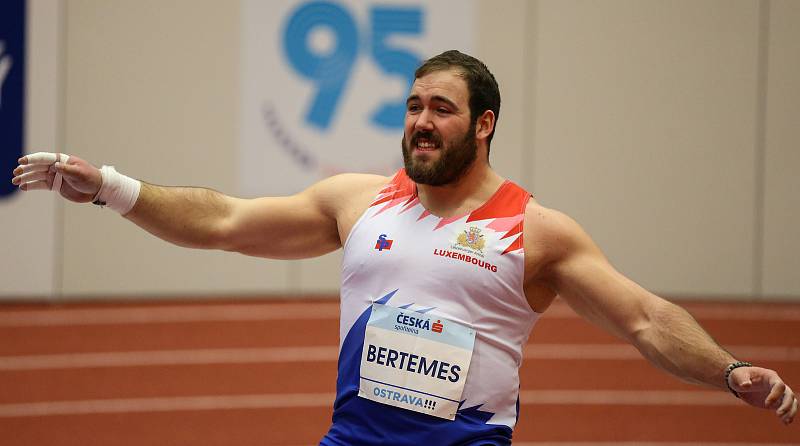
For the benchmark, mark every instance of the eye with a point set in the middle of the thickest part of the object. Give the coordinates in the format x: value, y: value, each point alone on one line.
x: 413, y: 108
x: 442, y: 110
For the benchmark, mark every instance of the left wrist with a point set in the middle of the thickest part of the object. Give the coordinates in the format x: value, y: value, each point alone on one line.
x: 729, y: 369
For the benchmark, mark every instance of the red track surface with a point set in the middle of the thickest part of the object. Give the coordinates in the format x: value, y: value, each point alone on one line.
x: 264, y: 372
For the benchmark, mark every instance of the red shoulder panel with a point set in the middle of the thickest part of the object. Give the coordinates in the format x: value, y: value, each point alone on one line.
x: 400, y: 187
x: 509, y: 201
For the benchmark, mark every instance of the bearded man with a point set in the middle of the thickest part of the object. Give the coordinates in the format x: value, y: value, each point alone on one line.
x: 447, y: 267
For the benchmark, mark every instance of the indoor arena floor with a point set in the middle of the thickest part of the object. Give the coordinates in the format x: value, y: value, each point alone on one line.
x: 263, y: 372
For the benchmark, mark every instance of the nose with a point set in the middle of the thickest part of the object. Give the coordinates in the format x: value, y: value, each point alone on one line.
x: 424, y: 121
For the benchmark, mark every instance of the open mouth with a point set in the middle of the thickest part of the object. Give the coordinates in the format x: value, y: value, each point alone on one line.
x: 425, y: 143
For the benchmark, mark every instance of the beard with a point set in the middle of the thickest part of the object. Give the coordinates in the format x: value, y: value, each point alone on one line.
x: 454, y: 161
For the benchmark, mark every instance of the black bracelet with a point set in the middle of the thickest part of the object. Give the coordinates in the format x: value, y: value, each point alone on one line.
x: 731, y: 367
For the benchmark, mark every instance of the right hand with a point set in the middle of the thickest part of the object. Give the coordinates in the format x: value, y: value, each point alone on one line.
x: 80, y: 180
x: 763, y: 388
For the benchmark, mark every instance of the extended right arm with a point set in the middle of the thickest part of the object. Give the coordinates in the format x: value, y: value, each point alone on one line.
x: 299, y: 226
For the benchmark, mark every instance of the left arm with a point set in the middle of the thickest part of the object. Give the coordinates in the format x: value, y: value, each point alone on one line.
x: 665, y: 334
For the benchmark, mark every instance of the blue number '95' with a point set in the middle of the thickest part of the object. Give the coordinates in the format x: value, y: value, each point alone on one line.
x: 330, y: 72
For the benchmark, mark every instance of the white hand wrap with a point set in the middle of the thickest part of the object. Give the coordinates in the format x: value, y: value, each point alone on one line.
x: 40, y: 165
x: 60, y: 158
x: 119, y: 192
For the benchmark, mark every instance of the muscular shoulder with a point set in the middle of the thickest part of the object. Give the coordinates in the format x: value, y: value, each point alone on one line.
x: 342, y: 193
x: 550, y: 236
x: 345, y: 197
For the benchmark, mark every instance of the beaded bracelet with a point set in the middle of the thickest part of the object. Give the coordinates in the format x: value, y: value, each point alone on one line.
x: 731, y: 368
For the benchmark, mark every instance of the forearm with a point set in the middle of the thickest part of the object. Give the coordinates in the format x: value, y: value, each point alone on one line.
x: 186, y: 216
x: 675, y: 342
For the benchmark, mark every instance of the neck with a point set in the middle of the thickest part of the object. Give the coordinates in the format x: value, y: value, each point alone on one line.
x: 469, y: 192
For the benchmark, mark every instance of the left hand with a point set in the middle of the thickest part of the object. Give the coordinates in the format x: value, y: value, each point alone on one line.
x: 763, y: 388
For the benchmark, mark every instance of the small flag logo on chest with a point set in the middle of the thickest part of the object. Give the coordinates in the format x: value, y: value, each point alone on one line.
x: 383, y: 243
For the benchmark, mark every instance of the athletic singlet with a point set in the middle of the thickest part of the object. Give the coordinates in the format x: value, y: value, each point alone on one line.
x: 466, y: 269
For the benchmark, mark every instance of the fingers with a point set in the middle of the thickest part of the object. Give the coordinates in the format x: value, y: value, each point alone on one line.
x: 39, y: 158
x: 789, y: 417
x: 788, y: 408
x: 35, y: 185
x: 43, y: 158
x: 786, y: 402
x: 66, y: 169
x: 25, y: 168
x: 69, y: 173
x: 775, y: 395
x: 30, y: 176
x: 35, y: 171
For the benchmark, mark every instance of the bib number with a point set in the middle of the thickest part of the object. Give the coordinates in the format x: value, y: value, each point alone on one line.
x: 415, y: 361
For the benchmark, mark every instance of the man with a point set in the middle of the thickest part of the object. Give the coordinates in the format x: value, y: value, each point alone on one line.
x: 447, y: 266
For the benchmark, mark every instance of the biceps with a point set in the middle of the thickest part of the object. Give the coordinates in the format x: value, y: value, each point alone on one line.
x: 281, y: 227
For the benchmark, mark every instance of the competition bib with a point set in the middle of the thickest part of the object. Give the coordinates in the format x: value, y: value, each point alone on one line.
x: 415, y: 361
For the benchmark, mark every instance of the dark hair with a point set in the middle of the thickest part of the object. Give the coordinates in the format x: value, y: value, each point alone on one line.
x: 484, y: 94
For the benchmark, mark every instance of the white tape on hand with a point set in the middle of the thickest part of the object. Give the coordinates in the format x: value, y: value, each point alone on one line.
x: 62, y: 158
x: 37, y: 169
x: 47, y: 158
x: 118, y: 191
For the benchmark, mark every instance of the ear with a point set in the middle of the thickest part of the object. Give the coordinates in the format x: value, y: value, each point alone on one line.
x: 484, y: 125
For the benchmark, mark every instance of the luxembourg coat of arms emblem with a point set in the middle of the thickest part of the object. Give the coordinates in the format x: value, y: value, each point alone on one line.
x: 472, y: 238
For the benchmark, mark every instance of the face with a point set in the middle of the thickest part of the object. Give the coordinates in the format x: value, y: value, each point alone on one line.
x: 439, y: 143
